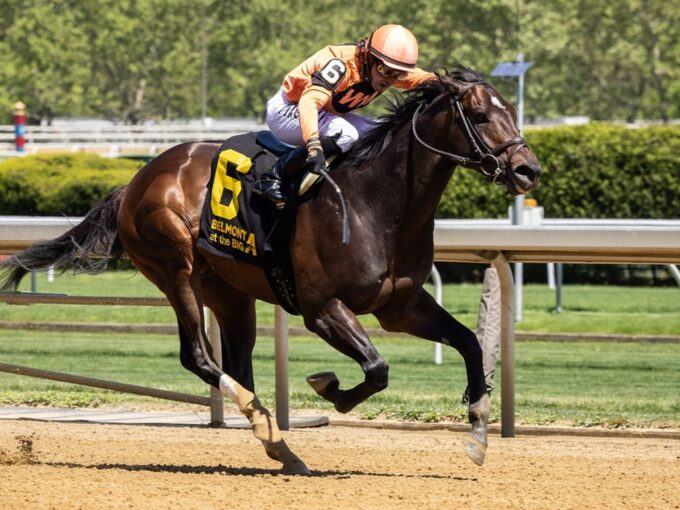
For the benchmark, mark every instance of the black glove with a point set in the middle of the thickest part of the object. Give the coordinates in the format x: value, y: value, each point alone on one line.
x: 315, y: 158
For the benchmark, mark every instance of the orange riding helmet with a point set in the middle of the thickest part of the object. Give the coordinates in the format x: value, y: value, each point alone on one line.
x: 395, y: 45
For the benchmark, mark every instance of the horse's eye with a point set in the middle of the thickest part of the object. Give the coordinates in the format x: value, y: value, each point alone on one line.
x: 480, y: 118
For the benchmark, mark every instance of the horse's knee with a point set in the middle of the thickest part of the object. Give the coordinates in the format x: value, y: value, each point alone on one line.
x: 377, y: 373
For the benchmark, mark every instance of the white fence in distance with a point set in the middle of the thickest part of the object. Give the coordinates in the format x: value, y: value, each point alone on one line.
x: 113, y: 140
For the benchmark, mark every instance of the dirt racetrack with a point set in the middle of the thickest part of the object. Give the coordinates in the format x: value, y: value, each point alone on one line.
x: 78, y: 465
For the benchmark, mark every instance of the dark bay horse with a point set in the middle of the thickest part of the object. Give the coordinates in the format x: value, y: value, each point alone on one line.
x: 392, y: 180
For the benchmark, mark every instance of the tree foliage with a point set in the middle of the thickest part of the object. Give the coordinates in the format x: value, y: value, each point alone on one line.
x: 132, y: 60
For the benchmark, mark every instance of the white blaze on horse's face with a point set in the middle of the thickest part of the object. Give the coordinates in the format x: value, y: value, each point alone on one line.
x: 496, y: 102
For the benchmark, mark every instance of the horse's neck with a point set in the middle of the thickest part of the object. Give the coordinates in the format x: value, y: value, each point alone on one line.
x: 408, y: 184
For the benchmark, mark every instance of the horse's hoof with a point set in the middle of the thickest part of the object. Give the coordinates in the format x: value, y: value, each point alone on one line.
x: 323, y: 383
x: 474, y: 449
x: 344, y: 407
x: 292, y: 464
x: 296, y: 467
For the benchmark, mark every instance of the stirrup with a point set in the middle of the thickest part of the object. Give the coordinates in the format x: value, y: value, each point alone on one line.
x: 269, y: 188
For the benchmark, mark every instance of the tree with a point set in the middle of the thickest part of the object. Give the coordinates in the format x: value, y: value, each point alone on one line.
x: 144, y: 58
x: 134, y: 60
x: 46, y: 65
x: 614, y: 60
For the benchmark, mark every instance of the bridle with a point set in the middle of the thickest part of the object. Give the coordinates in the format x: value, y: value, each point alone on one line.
x: 488, y: 159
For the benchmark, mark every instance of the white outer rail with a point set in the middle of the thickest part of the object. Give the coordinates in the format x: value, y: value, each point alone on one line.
x: 648, y: 242
x: 483, y: 241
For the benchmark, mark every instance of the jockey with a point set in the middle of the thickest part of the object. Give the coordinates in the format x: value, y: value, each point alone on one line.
x: 313, y: 108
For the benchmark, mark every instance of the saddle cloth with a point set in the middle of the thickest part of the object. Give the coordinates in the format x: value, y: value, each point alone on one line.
x: 240, y: 225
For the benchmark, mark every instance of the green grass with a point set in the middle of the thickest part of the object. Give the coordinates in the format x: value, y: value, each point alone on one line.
x: 590, y: 383
x: 607, y: 384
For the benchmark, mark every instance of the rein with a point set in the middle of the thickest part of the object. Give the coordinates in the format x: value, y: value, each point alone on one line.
x: 488, y: 158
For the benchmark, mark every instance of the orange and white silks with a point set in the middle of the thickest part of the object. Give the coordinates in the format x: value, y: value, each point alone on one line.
x: 331, y: 82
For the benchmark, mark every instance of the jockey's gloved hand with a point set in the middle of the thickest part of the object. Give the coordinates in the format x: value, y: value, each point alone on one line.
x: 315, y: 157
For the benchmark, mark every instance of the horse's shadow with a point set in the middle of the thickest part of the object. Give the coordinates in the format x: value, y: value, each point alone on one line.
x: 244, y: 471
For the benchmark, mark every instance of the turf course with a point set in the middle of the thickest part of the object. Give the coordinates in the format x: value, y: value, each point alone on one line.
x: 580, y: 383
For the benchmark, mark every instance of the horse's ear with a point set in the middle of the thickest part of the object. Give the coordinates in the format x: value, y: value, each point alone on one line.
x: 442, y: 76
x: 450, y: 83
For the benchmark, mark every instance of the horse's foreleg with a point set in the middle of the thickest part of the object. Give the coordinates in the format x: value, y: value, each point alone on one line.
x: 423, y: 317
x: 338, y: 326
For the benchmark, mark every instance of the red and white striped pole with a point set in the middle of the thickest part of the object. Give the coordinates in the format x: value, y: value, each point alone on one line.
x: 19, y: 121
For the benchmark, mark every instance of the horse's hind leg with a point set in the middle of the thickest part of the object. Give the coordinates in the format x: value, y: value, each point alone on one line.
x: 178, y: 278
x: 235, y: 314
x: 423, y: 317
x: 338, y: 326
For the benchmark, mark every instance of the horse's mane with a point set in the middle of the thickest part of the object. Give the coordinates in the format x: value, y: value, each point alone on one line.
x: 401, y: 110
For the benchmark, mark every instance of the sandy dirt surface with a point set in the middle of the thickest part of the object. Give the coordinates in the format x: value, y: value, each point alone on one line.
x: 76, y: 465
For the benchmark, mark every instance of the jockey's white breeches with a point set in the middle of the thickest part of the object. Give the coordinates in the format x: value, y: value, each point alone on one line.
x: 282, y: 119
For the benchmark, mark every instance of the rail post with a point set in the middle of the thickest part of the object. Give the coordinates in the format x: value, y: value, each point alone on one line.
x: 507, y: 346
x: 19, y: 121
x: 281, y: 354
x: 216, y: 397
x: 437, y: 280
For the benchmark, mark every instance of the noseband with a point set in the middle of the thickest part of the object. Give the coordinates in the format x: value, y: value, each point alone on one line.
x: 488, y: 158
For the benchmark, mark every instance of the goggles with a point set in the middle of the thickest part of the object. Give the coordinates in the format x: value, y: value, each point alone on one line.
x: 388, y: 72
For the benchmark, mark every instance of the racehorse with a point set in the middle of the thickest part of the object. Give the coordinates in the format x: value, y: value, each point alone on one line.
x: 392, y: 180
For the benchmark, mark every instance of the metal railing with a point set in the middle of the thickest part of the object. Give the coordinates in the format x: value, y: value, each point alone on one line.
x: 120, y: 139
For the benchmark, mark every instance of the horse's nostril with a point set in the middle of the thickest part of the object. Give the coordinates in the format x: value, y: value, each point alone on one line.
x: 527, y: 172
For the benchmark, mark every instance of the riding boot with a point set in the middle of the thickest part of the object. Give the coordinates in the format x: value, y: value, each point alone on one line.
x: 270, y: 184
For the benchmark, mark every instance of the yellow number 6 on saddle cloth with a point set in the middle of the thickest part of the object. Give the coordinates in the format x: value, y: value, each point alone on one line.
x: 228, y: 164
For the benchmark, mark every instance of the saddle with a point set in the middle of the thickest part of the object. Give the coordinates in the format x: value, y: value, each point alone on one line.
x: 238, y: 224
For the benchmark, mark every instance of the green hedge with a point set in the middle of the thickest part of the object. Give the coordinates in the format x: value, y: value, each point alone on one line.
x: 60, y: 184
x: 591, y: 171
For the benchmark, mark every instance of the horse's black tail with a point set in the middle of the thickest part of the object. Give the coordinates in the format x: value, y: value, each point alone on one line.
x: 89, y: 247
